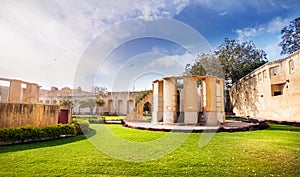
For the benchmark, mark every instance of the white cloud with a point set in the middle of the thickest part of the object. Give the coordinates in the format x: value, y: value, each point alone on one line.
x: 42, y: 41
x: 276, y: 24
x: 248, y: 32
x: 171, y: 61
x: 273, y: 26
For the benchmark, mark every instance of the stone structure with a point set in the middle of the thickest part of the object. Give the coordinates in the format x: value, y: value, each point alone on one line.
x: 19, y: 91
x: 189, y: 100
x: 116, y: 103
x: 272, y: 91
x: 19, y: 105
x: 24, y: 114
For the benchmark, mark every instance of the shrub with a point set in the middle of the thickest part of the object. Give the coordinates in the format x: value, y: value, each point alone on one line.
x: 82, y: 126
x: 20, y: 134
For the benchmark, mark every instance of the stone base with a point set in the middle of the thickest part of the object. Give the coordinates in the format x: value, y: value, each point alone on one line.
x: 191, y: 117
x: 169, y: 117
x: 221, y: 117
x: 211, y: 118
x: 157, y: 117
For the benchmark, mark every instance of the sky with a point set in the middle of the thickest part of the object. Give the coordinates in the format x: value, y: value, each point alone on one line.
x: 125, y: 44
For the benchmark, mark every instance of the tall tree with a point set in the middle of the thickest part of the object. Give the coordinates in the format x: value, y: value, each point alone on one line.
x: 232, y: 60
x: 99, y: 91
x: 206, y: 64
x: 290, y: 37
x: 100, y: 102
x: 88, y: 103
x: 238, y: 59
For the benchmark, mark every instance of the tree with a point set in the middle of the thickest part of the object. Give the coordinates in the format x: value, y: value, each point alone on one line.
x: 100, y: 102
x: 238, y: 59
x: 231, y: 61
x: 88, y: 103
x: 206, y: 64
x: 66, y: 102
x: 100, y: 91
x: 290, y: 37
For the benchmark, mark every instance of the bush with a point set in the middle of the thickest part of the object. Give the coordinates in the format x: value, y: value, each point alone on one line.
x: 82, y: 126
x: 20, y: 134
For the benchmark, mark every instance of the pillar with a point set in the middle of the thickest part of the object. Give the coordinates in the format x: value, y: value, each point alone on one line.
x: 15, y: 91
x: 190, y: 100
x: 210, y: 110
x: 170, y: 100
x: 221, y: 111
x: 157, y: 112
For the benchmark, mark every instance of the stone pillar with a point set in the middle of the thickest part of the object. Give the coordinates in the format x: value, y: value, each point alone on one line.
x: 190, y: 100
x: 15, y: 91
x: 157, y: 111
x: 221, y: 110
x: 169, y: 100
x: 27, y: 93
x: 210, y: 111
x: 37, y: 93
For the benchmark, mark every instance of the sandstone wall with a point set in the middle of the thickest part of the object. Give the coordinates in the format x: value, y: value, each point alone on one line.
x: 24, y: 114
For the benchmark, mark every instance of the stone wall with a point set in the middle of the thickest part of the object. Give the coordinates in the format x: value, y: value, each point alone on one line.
x: 270, y: 92
x: 24, y: 114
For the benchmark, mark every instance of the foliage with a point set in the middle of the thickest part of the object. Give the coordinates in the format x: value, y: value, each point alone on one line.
x: 20, y: 134
x: 100, y: 91
x: 88, y: 103
x: 66, y: 102
x: 206, y: 64
x: 271, y: 152
x: 239, y: 59
x: 100, y: 102
x: 290, y: 37
x: 82, y: 126
x: 232, y: 60
x: 141, y: 96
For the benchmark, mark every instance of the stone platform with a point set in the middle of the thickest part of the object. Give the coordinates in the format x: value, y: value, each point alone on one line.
x: 229, y: 126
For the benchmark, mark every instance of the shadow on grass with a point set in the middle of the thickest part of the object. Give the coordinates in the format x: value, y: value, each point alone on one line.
x: 46, y: 143
x: 283, y: 127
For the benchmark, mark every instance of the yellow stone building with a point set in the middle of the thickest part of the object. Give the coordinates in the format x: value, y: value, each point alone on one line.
x: 272, y: 91
x: 188, y: 100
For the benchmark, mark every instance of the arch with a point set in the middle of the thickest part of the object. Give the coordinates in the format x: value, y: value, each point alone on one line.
x: 121, y: 107
x: 147, y: 108
x: 130, y: 106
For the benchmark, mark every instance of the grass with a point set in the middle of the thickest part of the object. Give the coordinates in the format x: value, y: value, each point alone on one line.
x: 271, y: 152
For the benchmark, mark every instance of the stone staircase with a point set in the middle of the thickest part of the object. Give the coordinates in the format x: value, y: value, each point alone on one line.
x: 137, y: 113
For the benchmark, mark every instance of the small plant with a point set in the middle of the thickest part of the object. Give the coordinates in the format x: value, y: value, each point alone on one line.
x: 66, y: 102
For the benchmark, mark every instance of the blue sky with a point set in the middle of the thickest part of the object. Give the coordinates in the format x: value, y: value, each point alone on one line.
x: 48, y: 42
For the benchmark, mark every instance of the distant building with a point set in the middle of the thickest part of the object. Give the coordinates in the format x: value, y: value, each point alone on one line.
x: 272, y: 91
x: 118, y: 103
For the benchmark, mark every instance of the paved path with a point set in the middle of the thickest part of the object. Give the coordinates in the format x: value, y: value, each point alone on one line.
x: 229, y: 126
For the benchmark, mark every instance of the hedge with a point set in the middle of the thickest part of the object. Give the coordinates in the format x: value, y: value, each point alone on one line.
x: 30, y: 133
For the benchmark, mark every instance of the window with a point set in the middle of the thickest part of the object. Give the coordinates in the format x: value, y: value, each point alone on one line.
x: 259, y: 77
x: 291, y: 66
x: 274, y: 71
x: 265, y: 74
x: 277, y: 89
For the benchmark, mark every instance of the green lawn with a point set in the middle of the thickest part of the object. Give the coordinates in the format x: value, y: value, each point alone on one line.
x: 271, y: 152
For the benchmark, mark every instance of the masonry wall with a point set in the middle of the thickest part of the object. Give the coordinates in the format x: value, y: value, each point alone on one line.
x: 271, y: 91
x: 24, y: 114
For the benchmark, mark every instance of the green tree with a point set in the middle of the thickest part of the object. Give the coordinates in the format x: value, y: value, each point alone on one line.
x: 231, y: 61
x: 290, y: 37
x: 88, y: 103
x: 100, y: 102
x: 238, y: 59
x: 206, y: 64
x: 66, y: 102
